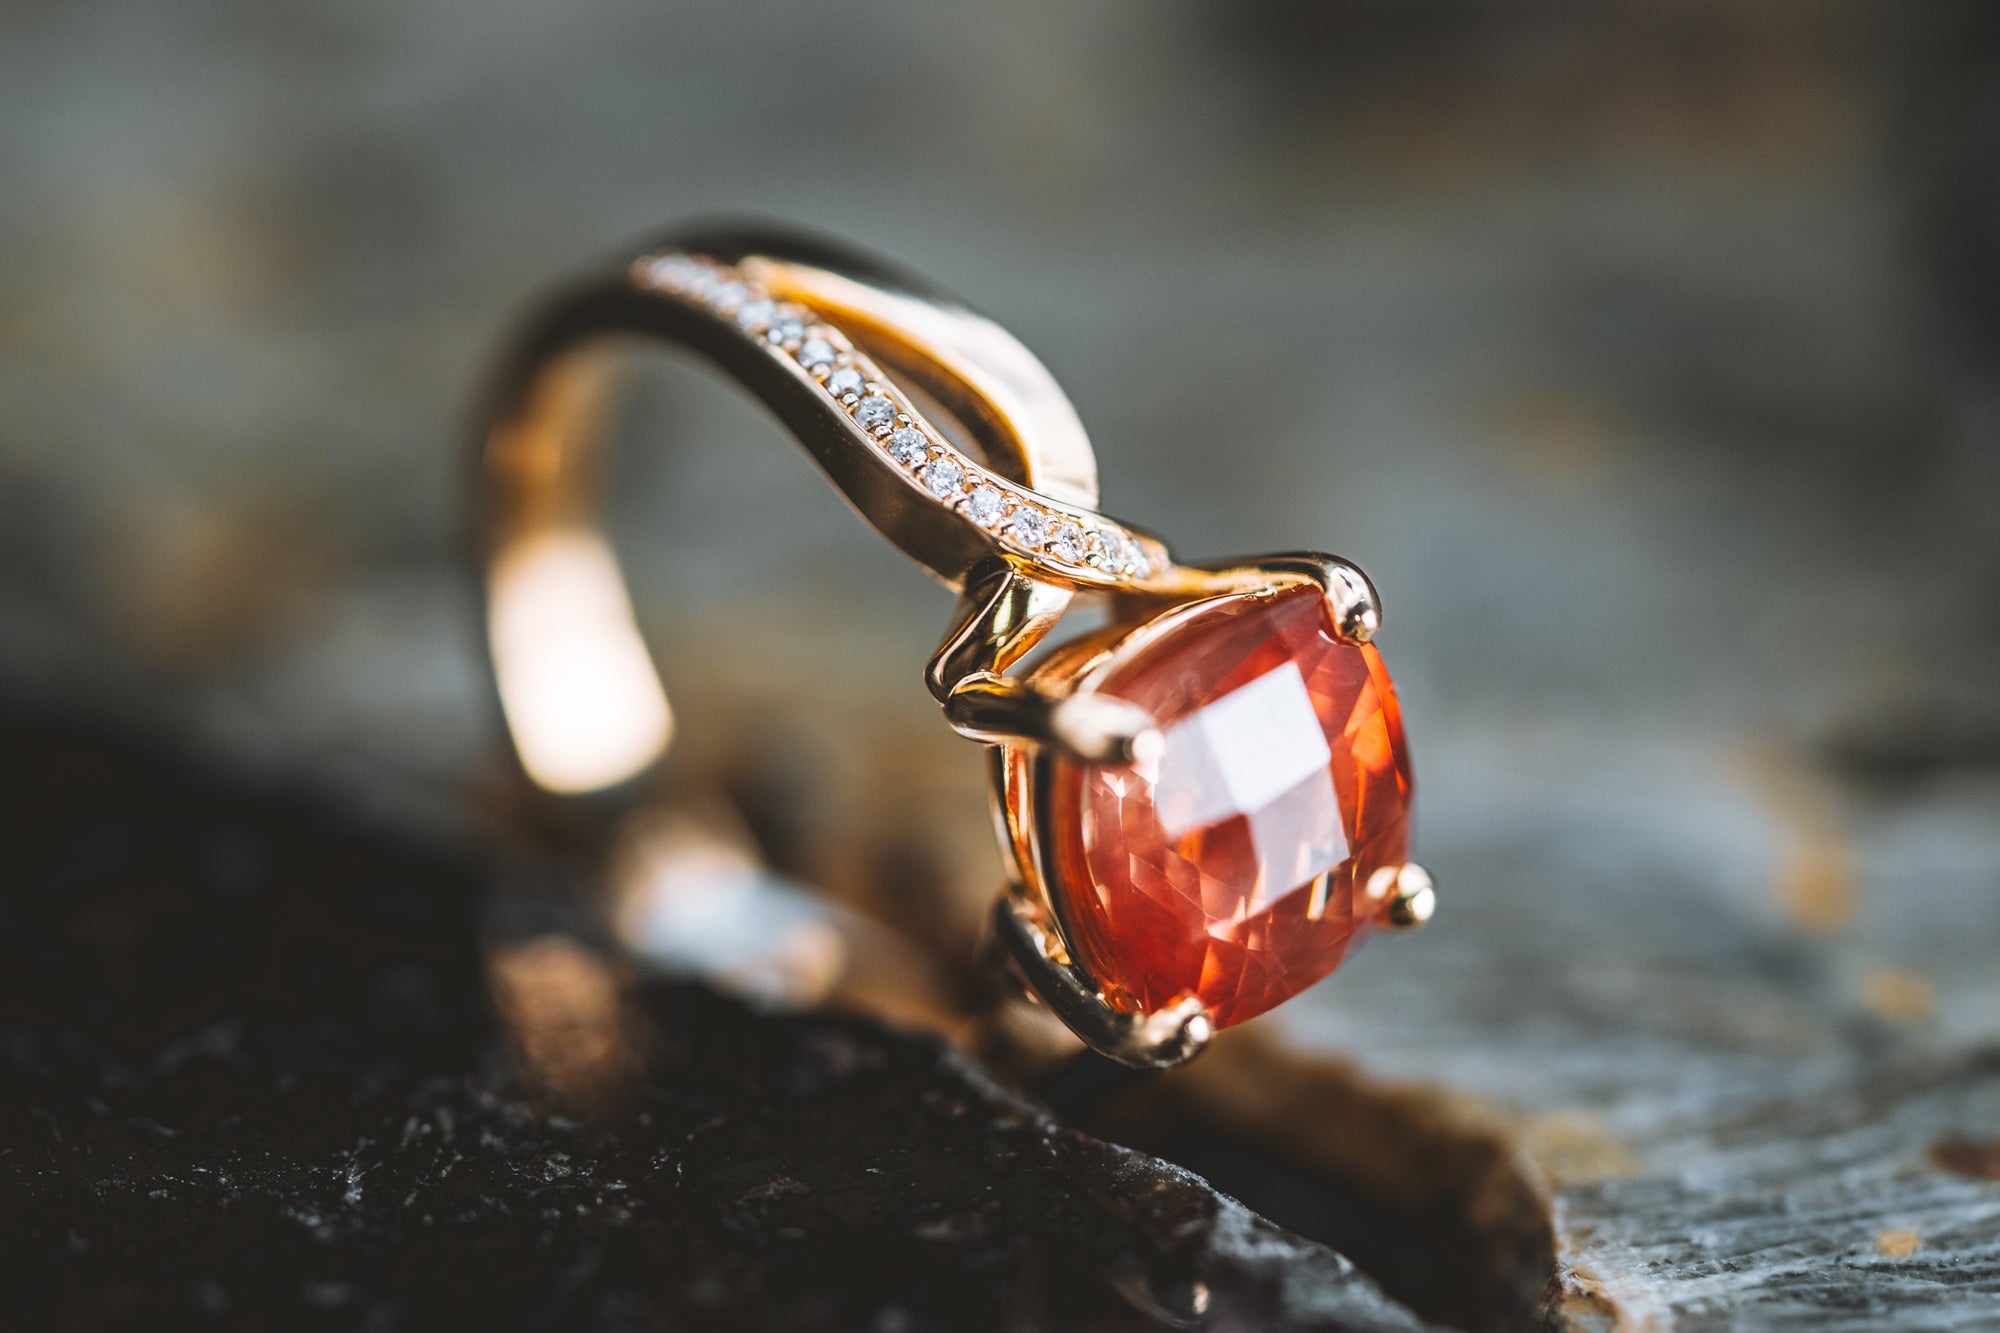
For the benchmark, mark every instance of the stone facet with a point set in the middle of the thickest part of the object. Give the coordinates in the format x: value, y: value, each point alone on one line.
x: 985, y: 506
x: 1234, y: 867
x: 1030, y: 528
x: 876, y: 414
x: 942, y: 477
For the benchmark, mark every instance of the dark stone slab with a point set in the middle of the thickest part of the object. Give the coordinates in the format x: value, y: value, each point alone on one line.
x: 256, y: 1075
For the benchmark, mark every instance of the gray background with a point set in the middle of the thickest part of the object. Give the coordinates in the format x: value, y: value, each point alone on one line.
x: 1644, y: 354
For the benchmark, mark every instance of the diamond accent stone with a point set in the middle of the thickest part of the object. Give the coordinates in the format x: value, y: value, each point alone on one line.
x: 875, y: 414
x: 985, y: 506
x: 943, y: 477
x: 672, y: 272
x: 795, y: 332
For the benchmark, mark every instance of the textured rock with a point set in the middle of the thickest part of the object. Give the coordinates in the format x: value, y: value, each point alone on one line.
x: 258, y: 1073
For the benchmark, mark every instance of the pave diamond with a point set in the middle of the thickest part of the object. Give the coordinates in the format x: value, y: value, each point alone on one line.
x: 875, y: 414
x: 943, y: 477
x: 793, y: 332
x: 671, y: 272
x: 985, y: 505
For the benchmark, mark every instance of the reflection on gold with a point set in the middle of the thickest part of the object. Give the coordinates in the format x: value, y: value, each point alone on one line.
x: 582, y: 697
x: 566, y: 1018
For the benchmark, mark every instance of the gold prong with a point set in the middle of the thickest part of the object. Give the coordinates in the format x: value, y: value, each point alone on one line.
x: 1095, y: 728
x: 1351, y: 599
x: 1160, y: 1040
x: 1104, y: 730
x: 1412, y: 898
x: 1357, y: 613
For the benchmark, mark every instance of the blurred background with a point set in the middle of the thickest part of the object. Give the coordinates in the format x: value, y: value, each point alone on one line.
x: 1647, y: 355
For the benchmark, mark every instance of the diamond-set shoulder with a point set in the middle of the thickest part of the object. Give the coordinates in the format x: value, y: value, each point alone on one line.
x: 1077, y: 542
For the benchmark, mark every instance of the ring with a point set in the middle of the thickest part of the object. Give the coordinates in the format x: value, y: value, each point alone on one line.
x: 1203, y: 806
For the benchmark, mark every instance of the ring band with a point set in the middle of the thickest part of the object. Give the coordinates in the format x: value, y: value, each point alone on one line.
x: 1203, y: 805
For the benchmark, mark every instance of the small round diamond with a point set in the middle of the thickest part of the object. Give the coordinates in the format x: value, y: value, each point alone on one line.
x: 755, y: 314
x: 702, y: 282
x: 908, y: 446
x: 786, y: 326
x: 943, y: 477
x: 1031, y: 528
x: 1067, y: 542
x: 985, y: 505
x: 875, y: 414
x: 844, y: 381
x: 729, y: 295
x: 1137, y: 561
x: 672, y: 272
x: 815, y: 352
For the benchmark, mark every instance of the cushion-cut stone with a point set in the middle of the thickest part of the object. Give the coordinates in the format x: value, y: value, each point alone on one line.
x: 1234, y: 866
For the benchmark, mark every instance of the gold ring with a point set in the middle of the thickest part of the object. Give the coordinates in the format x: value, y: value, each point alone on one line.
x: 1202, y: 805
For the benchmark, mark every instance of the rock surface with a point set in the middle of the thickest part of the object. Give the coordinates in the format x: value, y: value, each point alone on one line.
x: 263, y: 1074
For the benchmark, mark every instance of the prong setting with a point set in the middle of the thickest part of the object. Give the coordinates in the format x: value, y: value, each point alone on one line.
x: 1411, y: 897
x: 1357, y: 615
x: 1161, y: 1040
x: 1102, y: 730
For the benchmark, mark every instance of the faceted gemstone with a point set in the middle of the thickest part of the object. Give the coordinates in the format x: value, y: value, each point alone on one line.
x: 846, y: 380
x: 876, y: 414
x: 908, y: 446
x: 1031, y: 528
x: 1234, y: 866
x: 754, y: 314
x: 815, y: 352
x: 984, y: 505
x: 943, y: 477
x: 1067, y: 542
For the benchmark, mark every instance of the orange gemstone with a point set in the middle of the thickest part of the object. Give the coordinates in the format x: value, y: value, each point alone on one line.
x: 1235, y: 866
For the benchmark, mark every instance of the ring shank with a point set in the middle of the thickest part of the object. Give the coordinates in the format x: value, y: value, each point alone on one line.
x: 582, y: 698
